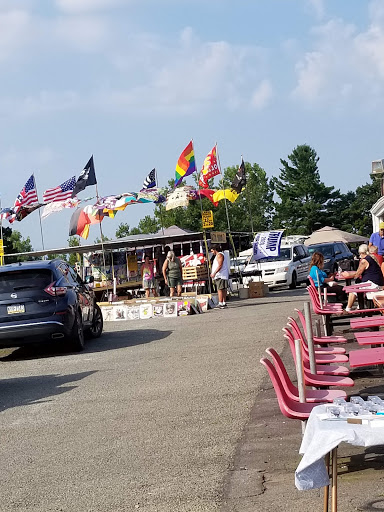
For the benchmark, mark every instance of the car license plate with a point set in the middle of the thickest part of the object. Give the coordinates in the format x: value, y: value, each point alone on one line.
x: 16, y: 309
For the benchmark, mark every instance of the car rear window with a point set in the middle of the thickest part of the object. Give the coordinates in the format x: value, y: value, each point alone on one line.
x: 25, y: 279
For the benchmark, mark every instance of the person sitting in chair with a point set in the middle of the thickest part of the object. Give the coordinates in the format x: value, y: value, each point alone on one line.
x: 321, y: 279
x: 369, y: 270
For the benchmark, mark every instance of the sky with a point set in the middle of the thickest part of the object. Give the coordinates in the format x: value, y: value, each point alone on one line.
x: 132, y: 81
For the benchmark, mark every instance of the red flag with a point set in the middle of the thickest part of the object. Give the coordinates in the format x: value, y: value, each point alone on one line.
x: 209, y: 169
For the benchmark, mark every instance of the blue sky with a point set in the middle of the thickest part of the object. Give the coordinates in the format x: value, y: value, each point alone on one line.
x: 132, y: 81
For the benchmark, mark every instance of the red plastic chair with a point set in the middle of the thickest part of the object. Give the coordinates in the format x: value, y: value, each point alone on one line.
x: 323, y: 380
x: 290, y: 408
x: 312, y: 283
x: 321, y: 369
x: 311, y: 395
x: 329, y: 309
x: 322, y: 339
x: 322, y: 355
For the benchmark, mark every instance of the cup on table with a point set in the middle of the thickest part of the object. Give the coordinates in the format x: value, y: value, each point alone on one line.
x: 339, y: 401
x: 352, y: 409
x: 357, y: 400
x: 334, y: 412
x: 376, y: 399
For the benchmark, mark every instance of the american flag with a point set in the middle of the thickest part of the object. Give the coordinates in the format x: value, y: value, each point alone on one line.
x: 150, y: 180
x: 60, y: 193
x: 27, y: 196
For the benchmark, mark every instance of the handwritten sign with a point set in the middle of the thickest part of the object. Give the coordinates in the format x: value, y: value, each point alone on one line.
x: 207, y: 218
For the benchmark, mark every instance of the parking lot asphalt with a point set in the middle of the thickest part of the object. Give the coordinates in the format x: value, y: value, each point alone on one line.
x: 172, y: 414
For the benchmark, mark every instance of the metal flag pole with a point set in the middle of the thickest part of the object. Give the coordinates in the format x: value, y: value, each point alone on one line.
x: 204, y: 234
x: 160, y: 205
x: 102, y: 247
x: 41, y: 227
x: 226, y: 209
x: 249, y: 202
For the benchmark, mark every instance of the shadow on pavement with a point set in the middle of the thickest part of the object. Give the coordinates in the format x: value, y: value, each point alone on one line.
x: 30, y: 390
x: 112, y: 340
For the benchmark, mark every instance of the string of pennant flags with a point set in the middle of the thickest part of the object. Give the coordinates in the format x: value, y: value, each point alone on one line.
x: 66, y: 195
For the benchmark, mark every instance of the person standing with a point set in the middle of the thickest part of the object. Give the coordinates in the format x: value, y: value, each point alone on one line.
x: 172, y: 272
x: 220, y: 274
x: 148, y: 276
x: 378, y: 240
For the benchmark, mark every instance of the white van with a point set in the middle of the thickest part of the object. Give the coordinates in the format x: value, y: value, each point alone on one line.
x: 290, y: 268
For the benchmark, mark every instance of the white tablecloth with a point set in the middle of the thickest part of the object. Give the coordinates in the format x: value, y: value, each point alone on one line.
x: 321, y: 436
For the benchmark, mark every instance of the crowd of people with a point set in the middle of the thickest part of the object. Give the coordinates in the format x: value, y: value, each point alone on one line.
x: 370, y: 270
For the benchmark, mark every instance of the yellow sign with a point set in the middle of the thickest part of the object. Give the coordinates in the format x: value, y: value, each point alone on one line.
x: 207, y: 218
x: 218, y: 237
x: 1, y: 247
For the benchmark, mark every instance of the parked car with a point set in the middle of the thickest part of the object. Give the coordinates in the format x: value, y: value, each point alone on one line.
x: 238, y: 264
x: 336, y: 255
x: 290, y: 268
x: 46, y: 300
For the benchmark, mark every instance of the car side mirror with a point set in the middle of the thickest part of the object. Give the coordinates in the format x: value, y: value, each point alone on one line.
x: 89, y: 279
x: 337, y: 252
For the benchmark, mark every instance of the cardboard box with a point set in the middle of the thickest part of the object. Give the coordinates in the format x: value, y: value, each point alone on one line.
x: 256, y: 289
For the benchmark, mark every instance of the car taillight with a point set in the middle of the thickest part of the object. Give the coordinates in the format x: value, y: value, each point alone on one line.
x: 55, y: 291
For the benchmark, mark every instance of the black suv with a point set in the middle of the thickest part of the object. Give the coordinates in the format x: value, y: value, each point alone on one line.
x: 336, y: 254
x: 46, y: 300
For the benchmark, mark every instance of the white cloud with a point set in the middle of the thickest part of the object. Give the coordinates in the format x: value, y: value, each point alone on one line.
x: 318, y: 7
x: 262, y: 95
x: 85, y: 33
x: 81, y: 6
x: 15, y: 31
x: 42, y: 104
x: 344, y: 64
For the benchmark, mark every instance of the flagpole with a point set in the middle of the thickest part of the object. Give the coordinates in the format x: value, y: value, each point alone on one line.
x: 249, y: 203
x: 41, y: 226
x: 204, y: 233
x: 160, y: 205
x: 226, y: 210
x: 102, y: 247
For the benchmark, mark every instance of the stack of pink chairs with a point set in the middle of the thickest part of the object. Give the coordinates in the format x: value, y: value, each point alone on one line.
x: 327, y: 374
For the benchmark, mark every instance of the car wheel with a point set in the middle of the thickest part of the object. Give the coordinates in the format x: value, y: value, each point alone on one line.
x: 97, y: 323
x: 293, y: 282
x: 77, y: 334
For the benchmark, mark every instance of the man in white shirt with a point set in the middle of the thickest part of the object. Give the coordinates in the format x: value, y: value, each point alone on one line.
x: 220, y: 274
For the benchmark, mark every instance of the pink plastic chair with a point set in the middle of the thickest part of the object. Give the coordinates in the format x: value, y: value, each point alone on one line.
x: 321, y: 369
x: 322, y: 339
x: 323, y: 380
x: 311, y: 395
x: 322, y: 355
x: 290, y: 408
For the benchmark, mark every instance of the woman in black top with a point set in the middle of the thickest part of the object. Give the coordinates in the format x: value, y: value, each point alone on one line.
x: 369, y: 270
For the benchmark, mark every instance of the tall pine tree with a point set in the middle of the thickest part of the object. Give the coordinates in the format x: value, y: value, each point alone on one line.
x: 305, y: 201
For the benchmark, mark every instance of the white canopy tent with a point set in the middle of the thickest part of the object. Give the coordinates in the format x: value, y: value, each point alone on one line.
x: 330, y: 234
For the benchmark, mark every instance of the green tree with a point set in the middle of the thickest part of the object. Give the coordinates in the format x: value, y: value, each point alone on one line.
x: 73, y: 241
x: 252, y: 210
x: 122, y: 230
x: 305, y: 202
x: 253, y: 207
x: 354, y: 208
x: 15, y: 243
x: 98, y: 240
x: 148, y: 225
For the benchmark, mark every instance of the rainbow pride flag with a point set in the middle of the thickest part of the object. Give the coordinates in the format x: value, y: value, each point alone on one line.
x: 185, y: 164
